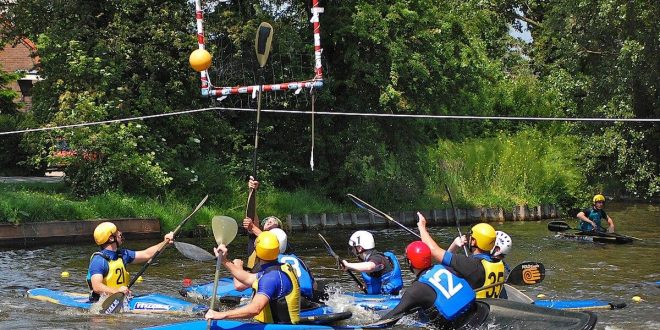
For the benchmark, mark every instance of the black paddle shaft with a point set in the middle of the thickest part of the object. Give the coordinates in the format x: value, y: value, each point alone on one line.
x: 458, y: 224
x: 336, y: 256
x: 162, y: 247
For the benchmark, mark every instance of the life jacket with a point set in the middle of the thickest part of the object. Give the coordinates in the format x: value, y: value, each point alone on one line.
x: 284, y: 309
x: 305, y: 278
x: 116, y: 277
x: 385, y: 282
x: 494, y: 274
x: 594, y: 215
x: 453, y: 295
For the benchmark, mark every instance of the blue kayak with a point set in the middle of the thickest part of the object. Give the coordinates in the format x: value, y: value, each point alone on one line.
x: 380, y: 302
x: 149, y: 303
x: 491, y: 313
x: 587, y: 304
x: 240, y: 325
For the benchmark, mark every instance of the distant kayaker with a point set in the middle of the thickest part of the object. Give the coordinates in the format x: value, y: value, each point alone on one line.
x: 591, y: 218
x: 479, y: 269
x: 436, y: 294
x: 381, y: 271
x: 107, y: 268
x: 276, y: 297
x: 253, y: 228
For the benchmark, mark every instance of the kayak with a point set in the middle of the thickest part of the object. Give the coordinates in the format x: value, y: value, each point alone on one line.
x: 597, y: 237
x: 148, y: 303
x: 380, y: 302
x: 579, y: 305
x: 486, y: 313
x: 225, y: 289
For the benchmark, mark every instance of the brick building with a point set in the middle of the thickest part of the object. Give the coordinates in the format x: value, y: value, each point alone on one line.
x: 19, y: 58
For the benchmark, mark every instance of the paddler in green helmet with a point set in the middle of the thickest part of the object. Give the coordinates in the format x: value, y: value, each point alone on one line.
x: 107, y: 268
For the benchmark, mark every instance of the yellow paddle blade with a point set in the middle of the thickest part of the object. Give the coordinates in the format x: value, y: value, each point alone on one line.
x: 224, y: 229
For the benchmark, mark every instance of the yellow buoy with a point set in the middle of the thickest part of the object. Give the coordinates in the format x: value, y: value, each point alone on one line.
x: 637, y: 298
x: 200, y: 60
x: 139, y: 279
x: 65, y: 274
x: 540, y: 295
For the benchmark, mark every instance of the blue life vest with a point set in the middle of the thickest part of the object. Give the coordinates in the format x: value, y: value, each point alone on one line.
x: 305, y: 278
x: 594, y: 215
x: 387, y: 283
x: 453, y: 294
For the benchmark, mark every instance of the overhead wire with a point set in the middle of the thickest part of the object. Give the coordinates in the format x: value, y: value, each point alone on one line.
x: 332, y: 113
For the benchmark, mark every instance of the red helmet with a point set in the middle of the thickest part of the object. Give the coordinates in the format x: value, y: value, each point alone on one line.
x: 419, y: 255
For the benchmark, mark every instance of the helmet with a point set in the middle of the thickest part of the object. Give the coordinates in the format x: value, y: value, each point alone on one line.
x: 503, y: 240
x: 267, y: 246
x: 103, y: 232
x: 281, y: 238
x: 274, y: 218
x: 485, y: 236
x: 419, y: 255
x: 599, y: 198
x: 362, y: 238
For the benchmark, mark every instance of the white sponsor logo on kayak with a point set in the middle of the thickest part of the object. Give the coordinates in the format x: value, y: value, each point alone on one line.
x: 530, y: 266
x: 151, y: 306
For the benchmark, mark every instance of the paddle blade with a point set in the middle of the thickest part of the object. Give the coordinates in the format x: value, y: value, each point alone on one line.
x: 224, y: 229
x: 527, y: 273
x: 328, y: 248
x: 251, y: 207
x: 193, y: 252
x: 558, y: 226
x: 365, y: 206
x: 113, y: 303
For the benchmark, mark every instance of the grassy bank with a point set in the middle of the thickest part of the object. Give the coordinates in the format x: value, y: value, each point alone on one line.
x: 530, y: 168
x: 31, y: 202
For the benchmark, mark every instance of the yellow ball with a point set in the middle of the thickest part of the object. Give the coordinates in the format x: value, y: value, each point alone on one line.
x: 139, y: 279
x: 637, y: 298
x: 200, y: 60
x: 65, y: 274
x: 540, y: 295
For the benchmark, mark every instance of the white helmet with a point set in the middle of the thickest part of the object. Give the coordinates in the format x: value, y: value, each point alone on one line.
x: 503, y: 241
x: 281, y: 237
x: 362, y: 238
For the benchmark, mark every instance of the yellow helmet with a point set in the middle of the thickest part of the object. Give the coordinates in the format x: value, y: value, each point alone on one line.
x: 267, y: 246
x: 103, y: 232
x: 485, y: 236
x: 599, y: 198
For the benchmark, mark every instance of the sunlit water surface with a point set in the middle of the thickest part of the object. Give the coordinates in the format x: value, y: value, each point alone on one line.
x: 574, y: 270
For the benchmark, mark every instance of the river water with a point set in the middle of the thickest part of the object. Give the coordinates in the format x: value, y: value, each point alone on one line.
x: 574, y: 270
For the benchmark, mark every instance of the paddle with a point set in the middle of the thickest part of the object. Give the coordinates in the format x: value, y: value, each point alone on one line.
x: 114, y: 302
x: 560, y: 226
x: 193, y: 252
x: 458, y: 224
x: 334, y: 255
x: 262, y: 42
x: 224, y: 231
x: 364, y: 205
x: 526, y: 273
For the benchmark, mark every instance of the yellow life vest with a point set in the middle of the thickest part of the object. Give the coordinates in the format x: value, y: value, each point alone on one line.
x: 285, y: 309
x: 252, y: 260
x: 494, y: 274
x: 117, y: 275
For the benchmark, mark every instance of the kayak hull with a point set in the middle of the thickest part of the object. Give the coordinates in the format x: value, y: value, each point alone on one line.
x: 487, y: 313
x: 149, y: 303
x: 595, y: 237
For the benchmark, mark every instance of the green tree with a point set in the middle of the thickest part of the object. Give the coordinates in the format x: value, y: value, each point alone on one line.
x: 602, y: 58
